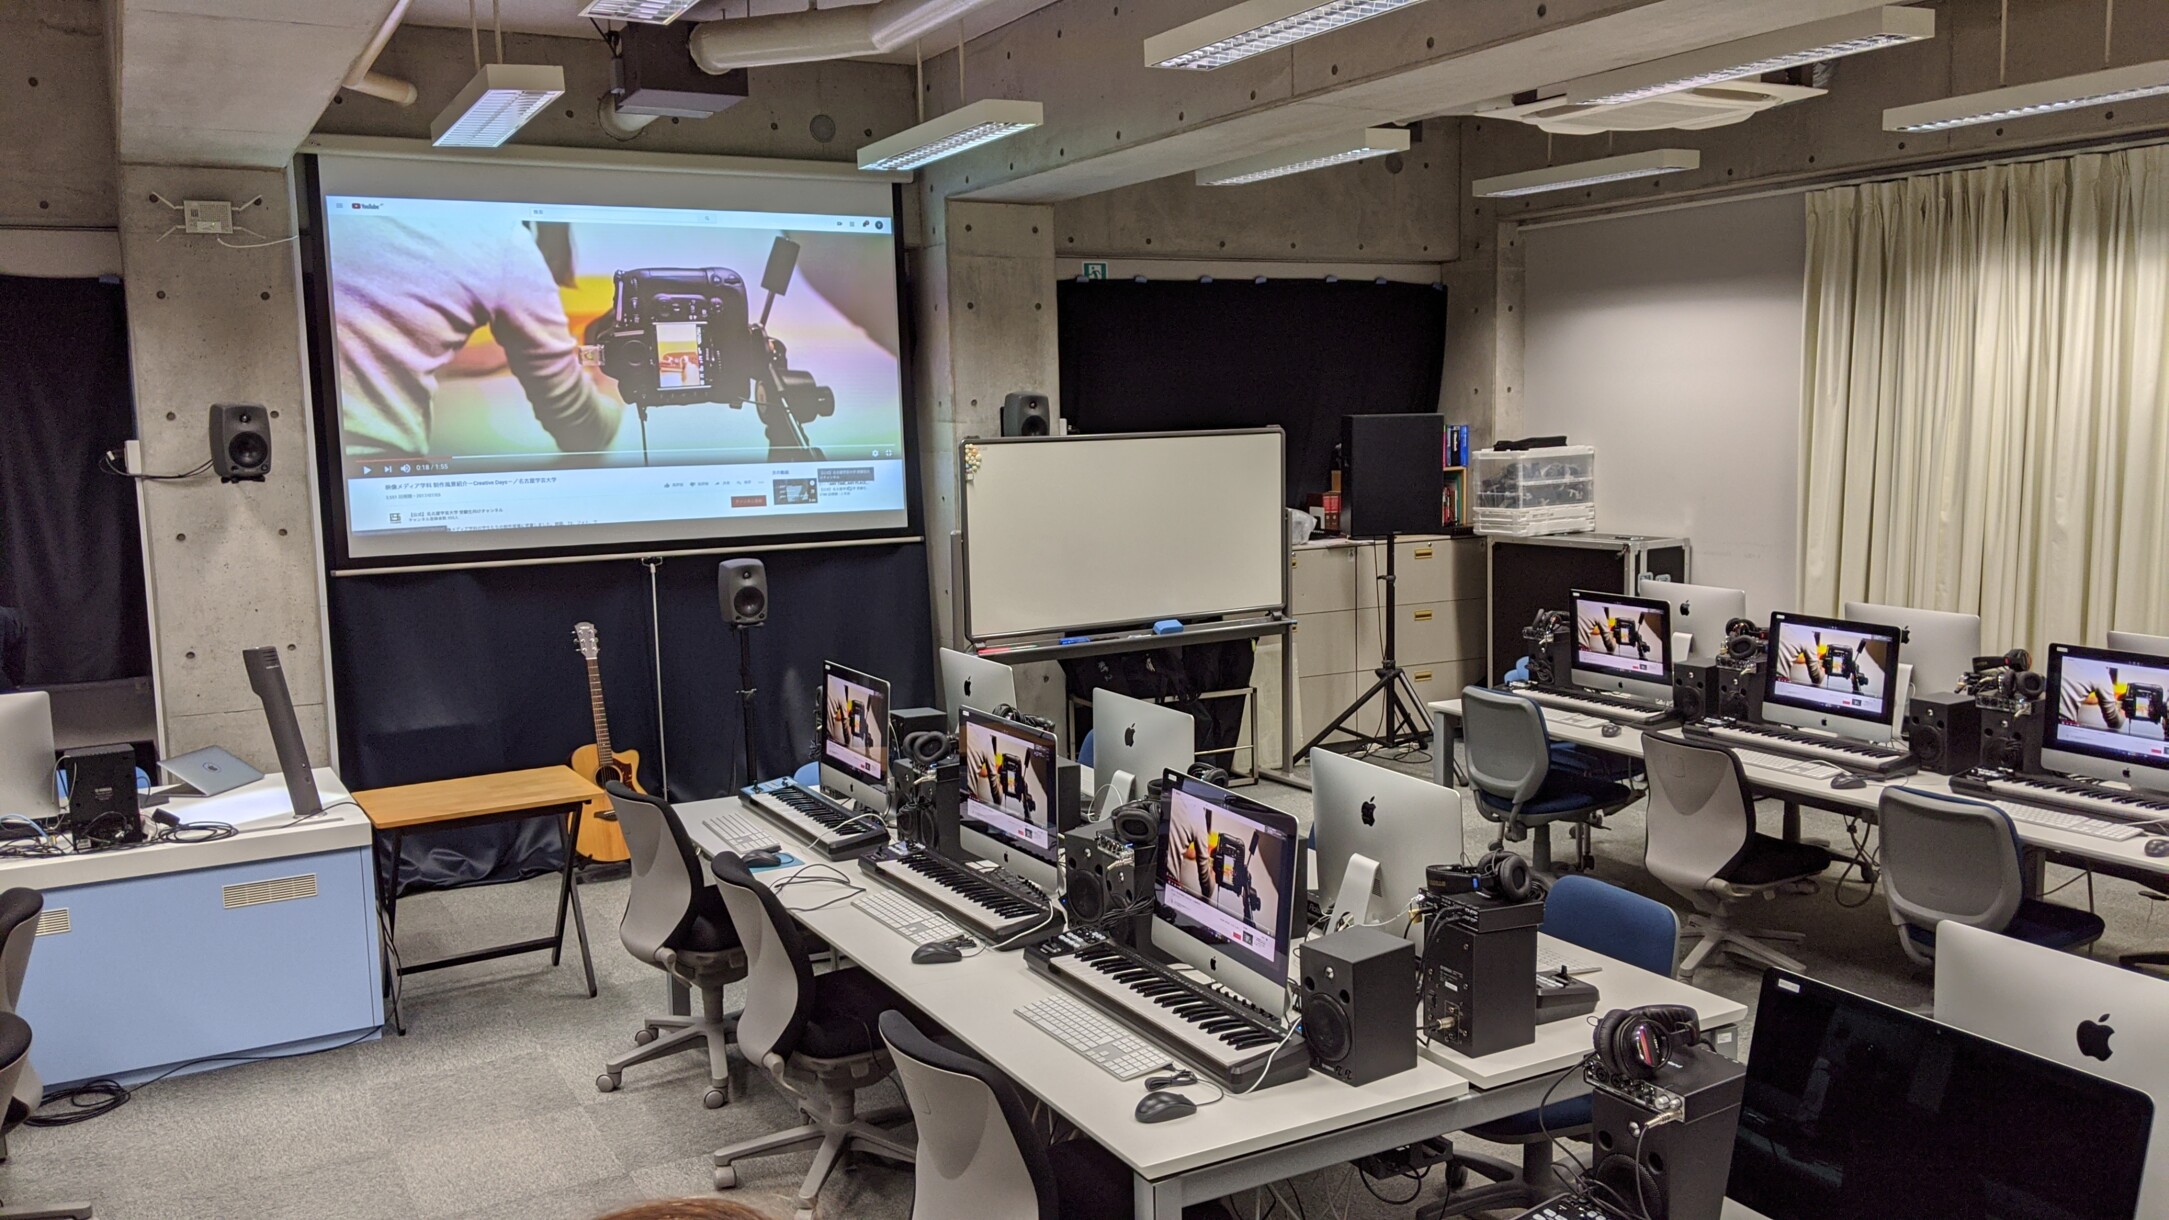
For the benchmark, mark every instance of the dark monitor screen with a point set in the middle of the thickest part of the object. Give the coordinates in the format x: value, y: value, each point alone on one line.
x: 1008, y: 782
x: 1832, y: 667
x: 1855, y: 1110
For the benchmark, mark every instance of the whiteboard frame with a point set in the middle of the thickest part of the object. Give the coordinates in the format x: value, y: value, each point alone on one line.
x: 963, y: 594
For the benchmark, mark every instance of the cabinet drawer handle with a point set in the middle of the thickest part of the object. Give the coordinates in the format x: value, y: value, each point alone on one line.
x: 1422, y: 552
x: 1421, y: 675
x: 1422, y: 616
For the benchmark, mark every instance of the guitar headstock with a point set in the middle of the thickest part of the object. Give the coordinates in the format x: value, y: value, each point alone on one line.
x: 584, y: 638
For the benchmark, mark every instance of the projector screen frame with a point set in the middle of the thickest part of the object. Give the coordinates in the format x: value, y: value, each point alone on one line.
x: 323, y: 411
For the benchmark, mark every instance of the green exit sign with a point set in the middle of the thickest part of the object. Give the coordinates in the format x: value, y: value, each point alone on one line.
x: 1095, y: 271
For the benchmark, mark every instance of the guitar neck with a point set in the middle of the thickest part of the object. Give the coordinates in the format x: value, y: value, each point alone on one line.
x: 595, y: 704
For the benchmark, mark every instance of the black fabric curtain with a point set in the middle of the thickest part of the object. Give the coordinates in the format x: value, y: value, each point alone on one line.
x: 71, y: 559
x: 1178, y: 356
x: 464, y: 672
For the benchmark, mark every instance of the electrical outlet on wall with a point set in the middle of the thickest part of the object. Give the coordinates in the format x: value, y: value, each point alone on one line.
x: 207, y: 216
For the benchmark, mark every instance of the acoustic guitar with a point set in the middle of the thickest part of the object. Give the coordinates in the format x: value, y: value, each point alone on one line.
x: 601, y: 839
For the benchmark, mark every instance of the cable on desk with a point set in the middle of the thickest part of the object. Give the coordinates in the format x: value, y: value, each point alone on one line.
x: 807, y: 876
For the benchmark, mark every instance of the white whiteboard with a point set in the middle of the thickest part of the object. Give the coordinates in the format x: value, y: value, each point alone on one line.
x: 1085, y: 532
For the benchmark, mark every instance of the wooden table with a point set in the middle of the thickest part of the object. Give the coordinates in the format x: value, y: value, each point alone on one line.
x: 557, y: 793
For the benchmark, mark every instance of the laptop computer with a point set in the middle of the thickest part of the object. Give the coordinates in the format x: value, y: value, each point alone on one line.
x: 208, y: 772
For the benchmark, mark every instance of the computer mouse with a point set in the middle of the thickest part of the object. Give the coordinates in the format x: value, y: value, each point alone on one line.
x: 1848, y: 781
x: 936, y: 953
x: 761, y: 859
x: 1161, y: 1106
x: 2157, y: 847
x: 1609, y: 730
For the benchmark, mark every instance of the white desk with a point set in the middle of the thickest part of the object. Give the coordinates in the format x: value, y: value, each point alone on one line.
x: 1242, y: 1141
x: 2126, y: 858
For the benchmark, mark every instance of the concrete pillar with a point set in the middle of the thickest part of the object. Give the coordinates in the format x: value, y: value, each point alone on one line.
x: 228, y: 567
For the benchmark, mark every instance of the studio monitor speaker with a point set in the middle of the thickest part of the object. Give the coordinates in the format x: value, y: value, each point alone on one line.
x: 1027, y: 415
x: 1099, y: 877
x: 240, y: 442
x: 1359, y: 1002
x: 1697, y: 689
x: 2012, y: 740
x: 1391, y: 477
x: 742, y: 585
x: 1943, y: 730
x: 102, y: 810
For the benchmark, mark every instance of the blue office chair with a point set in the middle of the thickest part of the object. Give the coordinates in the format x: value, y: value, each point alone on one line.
x: 808, y: 776
x: 1949, y: 857
x: 1604, y: 919
x: 1084, y: 749
x: 1518, y: 786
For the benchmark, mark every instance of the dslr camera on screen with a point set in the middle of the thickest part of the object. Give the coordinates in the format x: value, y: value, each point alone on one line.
x: 684, y: 336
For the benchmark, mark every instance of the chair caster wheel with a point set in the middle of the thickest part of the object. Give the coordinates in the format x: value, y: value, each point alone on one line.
x: 726, y: 1177
x: 715, y: 1099
x: 606, y: 1083
x: 644, y: 1036
x: 803, y: 1213
x: 1457, y: 1176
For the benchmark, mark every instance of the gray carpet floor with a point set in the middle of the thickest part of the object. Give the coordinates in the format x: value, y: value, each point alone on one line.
x: 488, y: 1107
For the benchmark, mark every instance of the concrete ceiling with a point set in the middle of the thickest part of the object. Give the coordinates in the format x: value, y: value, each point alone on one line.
x: 562, y: 17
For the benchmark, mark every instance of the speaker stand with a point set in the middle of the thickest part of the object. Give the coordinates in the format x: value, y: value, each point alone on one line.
x: 746, y: 753
x: 1403, y: 720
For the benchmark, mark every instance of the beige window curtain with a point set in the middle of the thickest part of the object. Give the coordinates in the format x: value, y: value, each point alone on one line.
x: 1985, y: 399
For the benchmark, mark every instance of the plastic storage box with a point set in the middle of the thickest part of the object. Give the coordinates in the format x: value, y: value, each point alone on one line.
x: 1529, y: 492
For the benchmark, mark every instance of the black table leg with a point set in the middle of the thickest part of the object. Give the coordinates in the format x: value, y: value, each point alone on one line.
x: 569, y: 895
x: 391, y: 933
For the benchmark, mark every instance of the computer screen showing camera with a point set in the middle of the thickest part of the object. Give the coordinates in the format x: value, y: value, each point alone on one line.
x: 1008, y: 811
x: 1224, y: 901
x: 2110, y: 717
x: 1622, y: 643
x: 854, y: 734
x: 516, y: 358
x: 1833, y: 674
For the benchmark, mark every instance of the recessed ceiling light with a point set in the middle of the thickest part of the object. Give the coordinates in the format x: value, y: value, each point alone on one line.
x: 647, y: 12
x: 1316, y: 154
x: 1255, y: 27
x: 967, y: 126
x: 1835, y: 38
x: 495, y: 104
x: 2025, y: 101
x: 1589, y: 173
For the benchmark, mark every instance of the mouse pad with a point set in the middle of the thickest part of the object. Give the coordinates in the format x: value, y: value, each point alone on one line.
x: 784, y: 859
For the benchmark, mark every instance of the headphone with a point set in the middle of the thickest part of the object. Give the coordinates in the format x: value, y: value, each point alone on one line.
x: 1500, y: 874
x: 1743, y: 639
x: 1636, y: 1043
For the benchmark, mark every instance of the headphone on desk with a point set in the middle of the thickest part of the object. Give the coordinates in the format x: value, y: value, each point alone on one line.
x: 1499, y: 874
x: 1636, y: 1043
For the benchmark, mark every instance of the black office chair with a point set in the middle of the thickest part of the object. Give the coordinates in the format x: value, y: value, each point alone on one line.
x: 19, y: 911
x: 676, y: 922
x: 814, y: 1034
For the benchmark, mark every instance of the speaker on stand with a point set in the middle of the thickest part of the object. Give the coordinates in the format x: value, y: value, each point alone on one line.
x: 742, y: 587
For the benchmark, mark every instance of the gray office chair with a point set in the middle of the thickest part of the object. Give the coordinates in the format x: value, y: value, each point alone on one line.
x: 19, y: 910
x: 1509, y: 755
x: 677, y: 923
x: 814, y: 1034
x: 1948, y: 857
x: 1703, y: 844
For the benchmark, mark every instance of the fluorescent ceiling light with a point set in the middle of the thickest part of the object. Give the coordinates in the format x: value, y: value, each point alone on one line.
x: 1317, y: 154
x: 1254, y: 27
x: 1589, y: 173
x: 1869, y: 30
x: 967, y: 126
x: 650, y: 12
x: 2025, y: 101
x: 495, y: 104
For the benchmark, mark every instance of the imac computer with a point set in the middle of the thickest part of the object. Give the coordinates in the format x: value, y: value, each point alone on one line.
x: 1622, y: 644
x: 2110, y: 713
x: 1008, y: 810
x: 1230, y: 874
x: 1940, y: 645
x: 1830, y: 674
x: 1137, y: 739
x: 1855, y: 1110
x: 2093, y: 1016
x: 1404, y: 822
x: 972, y: 681
x: 26, y: 755
x: 855, y: 735
x: 2132, y: 641
x: 1699, y: 612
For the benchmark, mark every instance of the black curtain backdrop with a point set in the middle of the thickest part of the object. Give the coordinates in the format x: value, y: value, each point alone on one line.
x: 464, y: 672
x: 70, y: 556
x: 1178, y: 356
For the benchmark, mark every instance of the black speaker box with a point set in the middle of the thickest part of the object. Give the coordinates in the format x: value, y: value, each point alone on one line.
x: 1359, y: 1004
x: 1391, y: 476
x: 1943, y: 730
x: 742, y: 584
x: 102, y: 797
x: 1027, y: 415
x: 1100, y: 880
x: 2011, y: 740
x: 1675, y: 1170
x: 1739, y: 693
x: 240, y: 442
x: 1696, y: 689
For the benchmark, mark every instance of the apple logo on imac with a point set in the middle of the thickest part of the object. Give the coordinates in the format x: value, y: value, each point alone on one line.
x: 2094, y: 1038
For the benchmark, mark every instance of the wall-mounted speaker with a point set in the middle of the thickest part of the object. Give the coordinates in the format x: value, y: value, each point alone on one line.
x: 1027, y: 415
x: 742, y: 584
x: 240, y: 442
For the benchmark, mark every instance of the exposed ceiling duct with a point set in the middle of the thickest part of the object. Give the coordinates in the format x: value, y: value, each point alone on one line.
x: 821, y: 34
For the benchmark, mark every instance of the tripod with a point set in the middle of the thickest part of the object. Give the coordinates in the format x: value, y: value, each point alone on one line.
x: 745, y: 702
x: 1402, y: 720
